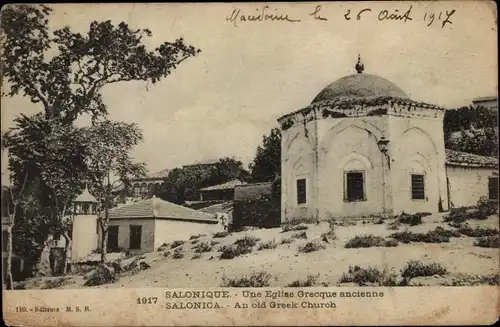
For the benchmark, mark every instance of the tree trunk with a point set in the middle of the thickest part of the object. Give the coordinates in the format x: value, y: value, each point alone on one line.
x: 9, y: 283
x: 104, y: 240
x: 67, y: 254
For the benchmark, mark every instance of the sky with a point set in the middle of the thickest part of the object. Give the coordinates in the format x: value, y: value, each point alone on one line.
x: 222, y: 101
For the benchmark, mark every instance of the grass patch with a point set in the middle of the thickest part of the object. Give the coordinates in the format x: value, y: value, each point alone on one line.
x: 194, y: 237
x: 311, y: 247
x: 287, y: 240
x: 293, y: 228
x: 415, y: 268
x: 368, y: 276
x: 267, y: 245
x: 196, y: 256
x: 202, y: 247
x: 492, y: 241
x: 178, y: 254
x: 300, y: 235
x: 478, y: 231
x: 220, y: 234
x: 438, y: 235
x: 367, y: 241
x: 55, y: 283
x: 310, y: 281
x: 176, y: 244
x: 256, y: 279
x: 241, y: 246
x: 102, y: 274
x: 412, y: 219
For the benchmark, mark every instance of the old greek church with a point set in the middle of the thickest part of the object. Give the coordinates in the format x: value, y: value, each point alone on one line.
x: 363, y: 147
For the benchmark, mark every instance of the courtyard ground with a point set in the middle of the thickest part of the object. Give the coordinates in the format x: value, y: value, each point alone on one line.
x: 286, y: 264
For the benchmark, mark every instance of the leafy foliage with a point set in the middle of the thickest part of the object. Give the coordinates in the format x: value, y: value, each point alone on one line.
x: 256, y: 279
x: 366, y: 241
x: 490, y: 241
x: 267, y: 162
x: 367, y: 276
x: 310, y: 281
x: 418, y: 268
x: 311, y: 247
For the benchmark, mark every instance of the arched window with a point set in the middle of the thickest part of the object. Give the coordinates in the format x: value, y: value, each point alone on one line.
x: 144, y: 189
x: 137, y: 191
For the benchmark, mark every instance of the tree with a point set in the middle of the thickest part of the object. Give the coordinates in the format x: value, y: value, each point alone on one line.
x: 267, y: 162
x: 109, y: 163
x: 65, y: 73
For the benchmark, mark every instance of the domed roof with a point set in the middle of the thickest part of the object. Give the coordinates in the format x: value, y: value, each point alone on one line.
x: 85, y: 197
x: 360, y: 86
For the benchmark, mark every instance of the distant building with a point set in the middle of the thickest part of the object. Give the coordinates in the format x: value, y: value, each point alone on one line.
x: 487, y: 102
x: 150, y: 185
x: 206, y: 163
x: 220, y: 192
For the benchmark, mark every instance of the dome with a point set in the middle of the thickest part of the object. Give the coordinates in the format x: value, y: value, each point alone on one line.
x: 85, y: 197
x: 360, y: 86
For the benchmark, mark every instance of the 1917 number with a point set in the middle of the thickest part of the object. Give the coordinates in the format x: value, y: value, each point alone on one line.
x: 147, y: 300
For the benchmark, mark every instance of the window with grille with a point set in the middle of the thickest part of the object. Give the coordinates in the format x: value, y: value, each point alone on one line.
x: 354, y: 186
x: 301, y: 191
x: 417, y: 187
x: 493, y: 188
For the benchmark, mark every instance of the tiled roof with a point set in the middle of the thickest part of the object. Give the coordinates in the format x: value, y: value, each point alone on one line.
x: 158, y: 208
x: 252, y: 191
x: 224, y: 186
x: 456, y: 158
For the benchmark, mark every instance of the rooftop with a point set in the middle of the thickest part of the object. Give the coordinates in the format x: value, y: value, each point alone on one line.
x: 85, y: 196
x: 464, y: 159
x: 158, y: 208
x: 225, y: 186
x: 252, y: 191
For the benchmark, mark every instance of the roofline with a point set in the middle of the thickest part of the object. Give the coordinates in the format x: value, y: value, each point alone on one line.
x: 201, y: 221
x: 485, y: 98
x: 457, y: 164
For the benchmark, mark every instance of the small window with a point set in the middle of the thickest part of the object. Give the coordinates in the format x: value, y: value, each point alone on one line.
x: 417, y: 187
x: 493, y: 188
x: 301, y: 191
x: 354, y: 186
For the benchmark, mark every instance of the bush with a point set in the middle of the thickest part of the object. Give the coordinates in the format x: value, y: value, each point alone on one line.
x: 246, y: 241
x: 301, y: 220
x: 287, y: 240
x: 438, y: 235
x: 103, y: 274
x: 202, y: 247
x: 418, y: 268
x: 480, y: 212
x: 194, y: 237
x: 367, y: 241
x: 293, y: 228
x: 178, y: 254
x: 478, y: 231
x: 55, y: 283
x: 412, y: 219
x: 163, y: 247
x: 308, y: 282
x: 196, y: 256
x: 195, y: 241
x: 233, y: 251
x: 267, y: 245
x: 366, y: 276
x: 311, y: 247
x: 176, y: 244
x: 300, y: 235
x: 492, y: 241
x: 222, y: 248
x: 220, y: 234
x: 213, y: 243
x: 256, y: 279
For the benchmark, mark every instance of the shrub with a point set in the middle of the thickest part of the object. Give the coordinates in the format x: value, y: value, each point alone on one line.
x: 176, y: 244
x: 418, y: 268
x: 330, y: 235
x: 267, y: 245
x: 256, y: 279
x: 308, y: 282
x: 394, y: 225
x: 247, y: 241
x: 163, y: 247
x: 213, y: 243
x: 166, y: 254
x: 300, y: 235
x: 222, y: 248
x: 311, y: 247
x: 194, y: 237
x: 492, y: 241
x: 293, y: 228
x: 220, y: 234
x: 478, y: 231
x: 103, y: 274
x: 367, y: 241
x: 233, y: 251
x: 412, y: 219
x: 301, y: 220
x: 196, y: 256
x: 202, y: 247
x: 370, y: 275
x: 178, y: 254
x: 55, y: 283
x: 287, y: 240
x: 195, y: 241
x: 438, y: 235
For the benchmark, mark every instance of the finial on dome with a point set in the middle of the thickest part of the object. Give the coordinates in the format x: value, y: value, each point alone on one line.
x: 359, y: 66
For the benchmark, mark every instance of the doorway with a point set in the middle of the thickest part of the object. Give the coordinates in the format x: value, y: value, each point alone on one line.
x: 135, y: 237
x: 112, y: 238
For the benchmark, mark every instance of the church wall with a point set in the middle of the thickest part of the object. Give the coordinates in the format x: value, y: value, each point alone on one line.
x: 417, y: 146
x: 348, y: 145
x: 468, y: 184
x: 298, y: 162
